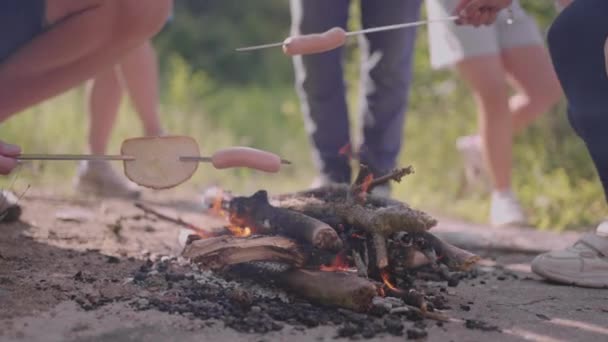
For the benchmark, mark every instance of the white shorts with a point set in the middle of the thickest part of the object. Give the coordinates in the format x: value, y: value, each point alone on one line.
x: 450, y: 44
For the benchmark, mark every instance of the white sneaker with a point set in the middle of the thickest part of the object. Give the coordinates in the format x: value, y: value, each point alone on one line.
x: 472, y: 155
x: 506, y: 211
x: 98, y: 178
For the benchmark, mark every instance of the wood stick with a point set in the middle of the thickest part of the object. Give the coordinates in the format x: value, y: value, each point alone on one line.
x: 447, y: 254
x: 379, y: 243
x: 339, y: 289
x: 177, y: 221
x: 220, y: 252
x: 256, y: 213
x: 384, y: 221
x: 395, y: 175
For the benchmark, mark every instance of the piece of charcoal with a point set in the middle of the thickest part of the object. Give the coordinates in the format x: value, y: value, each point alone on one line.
x: 415, y: 333
x: 112, y: 260
x: 394, y: 326
x: 480, y: 325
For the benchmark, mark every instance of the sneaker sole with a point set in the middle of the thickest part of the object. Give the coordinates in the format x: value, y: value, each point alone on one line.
x: 568, y: 281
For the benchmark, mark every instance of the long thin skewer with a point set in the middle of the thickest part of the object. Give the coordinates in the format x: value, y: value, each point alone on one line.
x: 210, y: 160
x: 94, y: 157
x: 353, y: 33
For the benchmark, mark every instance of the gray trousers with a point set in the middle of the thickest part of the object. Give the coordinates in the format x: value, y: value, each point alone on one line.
x: 385, y: 78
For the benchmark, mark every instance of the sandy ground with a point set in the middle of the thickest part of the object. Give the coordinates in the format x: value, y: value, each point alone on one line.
x: 65, y: 269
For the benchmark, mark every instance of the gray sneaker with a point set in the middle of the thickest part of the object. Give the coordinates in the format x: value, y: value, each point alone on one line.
x: 99, y: 179
x: 10, y: 210
x: 584, y: 264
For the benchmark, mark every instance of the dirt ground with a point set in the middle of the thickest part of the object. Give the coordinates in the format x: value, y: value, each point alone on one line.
x: 65, y: 275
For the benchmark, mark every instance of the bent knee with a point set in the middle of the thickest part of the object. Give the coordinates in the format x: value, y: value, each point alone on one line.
x: 144, y: 18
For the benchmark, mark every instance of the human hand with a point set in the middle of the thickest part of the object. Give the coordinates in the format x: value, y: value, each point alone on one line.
x: 8, y: 154
x: 479, y: 12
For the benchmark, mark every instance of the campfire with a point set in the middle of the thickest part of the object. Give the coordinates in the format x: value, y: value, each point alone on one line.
x: 338, y: 245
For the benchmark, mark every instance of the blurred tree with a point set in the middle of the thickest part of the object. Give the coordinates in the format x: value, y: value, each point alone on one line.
x: 206, y: 32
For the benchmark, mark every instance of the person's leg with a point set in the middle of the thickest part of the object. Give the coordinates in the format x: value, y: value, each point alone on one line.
x: 385, y: 78
x: 98, y: 177
x: 320, y: 85
x: 105, y: 96
x: 532, y: 75
x: 140, y: 72
x: 576, y: 43
x: 85, y: 37
x: 486, y: 78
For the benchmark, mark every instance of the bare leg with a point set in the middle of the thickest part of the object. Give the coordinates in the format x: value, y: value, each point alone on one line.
x: 532, y: 74
x: 89, y: 35
x: 486, y: 77
x: 104, y: 100
x: 140, y: 73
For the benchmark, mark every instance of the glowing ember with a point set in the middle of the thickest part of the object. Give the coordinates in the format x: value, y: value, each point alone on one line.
x: 239, y: 232
x: 358, y: 236
x: 345, y: 151
x: 365, y: 186
x: 386, y: 279
x: 339, y: 264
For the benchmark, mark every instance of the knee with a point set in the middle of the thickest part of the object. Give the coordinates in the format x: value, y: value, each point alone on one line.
x: 143, y: 19
x: 545, y: 96
x: 493, y: 95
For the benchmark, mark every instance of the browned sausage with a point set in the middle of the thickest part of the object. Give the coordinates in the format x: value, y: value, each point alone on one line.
x: 314, y: 43
x: 246, y: 157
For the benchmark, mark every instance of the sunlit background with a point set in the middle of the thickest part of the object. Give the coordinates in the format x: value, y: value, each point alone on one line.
x: 223, y: 98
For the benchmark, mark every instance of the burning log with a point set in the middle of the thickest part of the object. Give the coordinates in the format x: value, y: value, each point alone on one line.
x: 438, y: 250
x: 341, y: 289
x: 263, y: 218
x: 374, y: 220
x: 220, y: 252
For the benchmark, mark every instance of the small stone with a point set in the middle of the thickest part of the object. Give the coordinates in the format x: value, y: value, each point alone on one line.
x: 453, y: 282
x: 348, y: 330
x: 465, y: 308
x: 394, y: 326
x: 501, y: 278
x: 143, y: 303
x: 113, y: 260
x: 414, y: 334
x: 255, y: 309
x: 165, y: 258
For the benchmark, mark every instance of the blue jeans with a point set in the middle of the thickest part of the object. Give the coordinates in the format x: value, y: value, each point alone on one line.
x: 385, y: 80
x: 20, y: 22
x: 576, y: 43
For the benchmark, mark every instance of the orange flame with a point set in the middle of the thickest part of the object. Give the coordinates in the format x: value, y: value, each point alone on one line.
x: 338, y: 264
x: 358, y: 236
x: 386, y: 280
x: 236, y: 225
x: 239, y: 232
x: 366, y: 183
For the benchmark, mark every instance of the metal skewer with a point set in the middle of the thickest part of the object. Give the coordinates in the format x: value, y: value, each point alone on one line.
x: 210, y: 160
x: 94, y: 157
x: 72, y: 157
x: 358, y: 32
